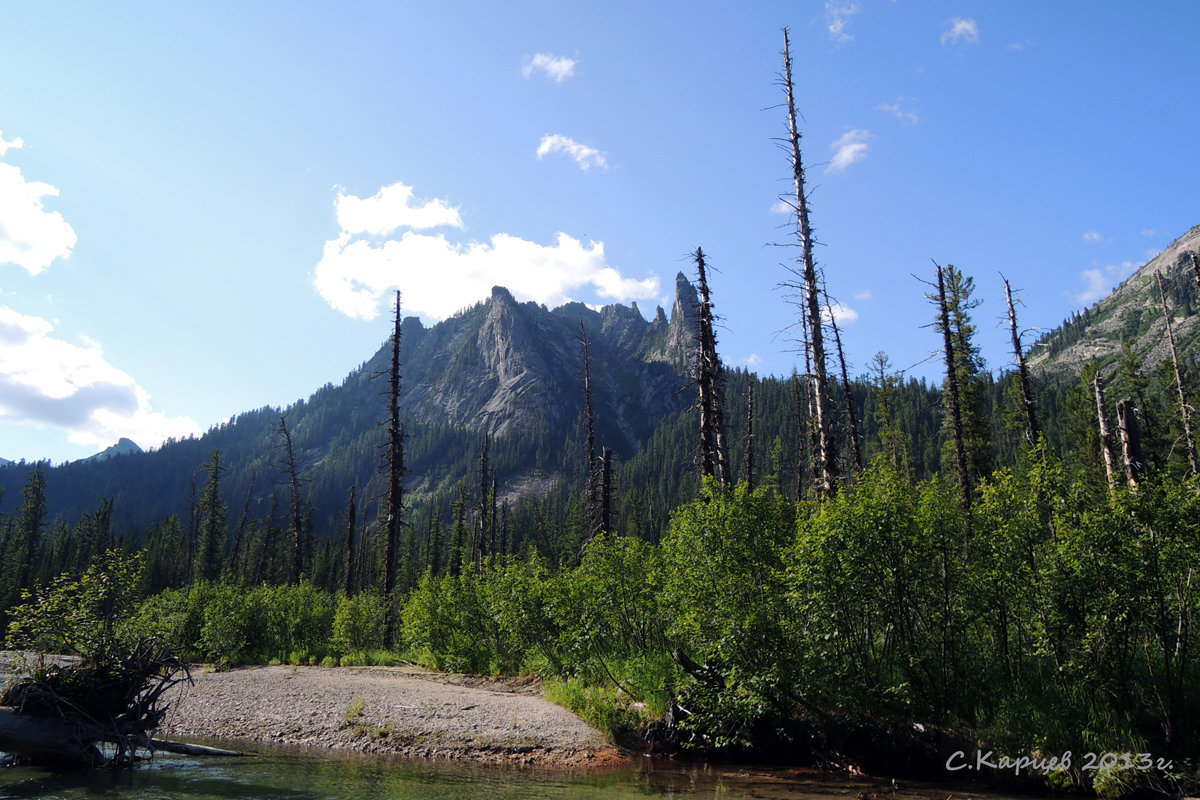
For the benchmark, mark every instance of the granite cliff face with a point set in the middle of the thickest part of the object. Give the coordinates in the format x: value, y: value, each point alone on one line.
x: 1132, y: 314
x: 504, y: 366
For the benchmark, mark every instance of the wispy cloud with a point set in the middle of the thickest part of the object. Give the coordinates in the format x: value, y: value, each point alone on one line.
x: 45, y: 380
x: 866, y: 294
x: 902, y: 115
x: 30, y: 236
x: 961, y: 31
x: 837, y: 19
x: 556, y: 68
x: 782, y: 206
x: 586, y: 157
x: 850, y: 148
x: 1093, y: 237
x: 437, y: 276
x: 1098, y: 283
x: 753, y: 360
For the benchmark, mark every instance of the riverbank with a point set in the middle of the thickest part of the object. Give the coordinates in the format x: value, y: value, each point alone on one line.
x: 394, y: 710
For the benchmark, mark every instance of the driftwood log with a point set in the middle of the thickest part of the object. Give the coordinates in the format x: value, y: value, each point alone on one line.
x: 89, y: 714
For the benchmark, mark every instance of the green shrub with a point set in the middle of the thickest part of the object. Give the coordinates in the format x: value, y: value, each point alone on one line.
x: 359, y: 622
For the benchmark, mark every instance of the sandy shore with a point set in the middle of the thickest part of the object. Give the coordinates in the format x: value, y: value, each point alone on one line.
x: 401, y: 710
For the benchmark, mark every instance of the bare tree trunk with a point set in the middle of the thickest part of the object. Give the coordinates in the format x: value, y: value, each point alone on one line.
x: 479, y: 546
x: 289, y: 462
x: 826, y: 453
x: 1031, y: 426
x: 851, y: 416
x: 351, y: 514
x: 1184, y: 412
x: 952, y: 389
x: 750, y: 433
x: 1110, y: 469
x: 1131, y: 443
x: 494, y: 517
x: 236, y: 550
x: 606, y: 460
x: 193, y: 531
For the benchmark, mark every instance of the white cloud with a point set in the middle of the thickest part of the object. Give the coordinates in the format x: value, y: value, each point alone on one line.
x: 48, y: 381
x: 5, y: 146
x: 837, y: 19
x: 586, y: 157
x: 439, y: 277
x: 866, y: 294
x: 850, y: 148
x: 904, y: 117
x: 392, y: 208
x: 961, y: 31
x: 843, y: 313
x: 753, y: 360
x: 782, y: 206
x: 557, y: 68
x: 1099, y: 283
x: 30, y: 237
x: 1149, y: 232
x: 1092, y: 237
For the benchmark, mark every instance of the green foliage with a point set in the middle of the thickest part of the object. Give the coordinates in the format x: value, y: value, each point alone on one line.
x: 725, y: 594
x: 80, y: 616
x: 358, y: 622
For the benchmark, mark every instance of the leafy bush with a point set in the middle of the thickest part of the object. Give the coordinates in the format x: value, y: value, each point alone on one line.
x: 358, y: 622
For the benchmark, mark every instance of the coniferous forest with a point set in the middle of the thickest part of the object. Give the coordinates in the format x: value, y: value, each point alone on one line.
x: 823, y: 568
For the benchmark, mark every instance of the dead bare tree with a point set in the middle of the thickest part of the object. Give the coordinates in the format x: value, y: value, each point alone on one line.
x: 851, y: 415
x: 294, y: 509
x: 1184, y: 412
x: 826, y: 451
x: 952, y: 391
x: 1027, y: 403
x: 1131, y: 443
x: 348, y: 583
x: 606, y: 460
x: 239, y: 534
x: 750, y: 433
x: 479, y: 544
x: 1106, y: 453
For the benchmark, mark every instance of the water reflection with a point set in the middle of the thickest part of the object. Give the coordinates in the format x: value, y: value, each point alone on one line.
x: 274, y: 774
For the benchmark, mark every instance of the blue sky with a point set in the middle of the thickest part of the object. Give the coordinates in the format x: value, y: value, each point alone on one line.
x: 204, y: 208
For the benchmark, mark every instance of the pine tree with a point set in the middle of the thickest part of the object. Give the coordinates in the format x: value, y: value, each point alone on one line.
x: 394, y: 468
x: 212, y: 517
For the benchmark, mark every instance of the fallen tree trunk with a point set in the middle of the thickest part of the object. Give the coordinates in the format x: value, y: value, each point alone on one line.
x: 48, y: 739
x: 185, y: 749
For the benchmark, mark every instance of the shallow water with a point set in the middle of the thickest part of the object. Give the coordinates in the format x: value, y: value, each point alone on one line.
x: 316, y: 775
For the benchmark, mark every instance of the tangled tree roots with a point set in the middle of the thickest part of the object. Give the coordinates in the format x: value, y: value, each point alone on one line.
x: 102, y: 712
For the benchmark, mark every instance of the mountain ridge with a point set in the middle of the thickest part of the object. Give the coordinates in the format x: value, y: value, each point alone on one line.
x: 1131, y: 313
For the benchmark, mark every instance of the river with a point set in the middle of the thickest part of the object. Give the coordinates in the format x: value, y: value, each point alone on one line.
x: 276, y: 774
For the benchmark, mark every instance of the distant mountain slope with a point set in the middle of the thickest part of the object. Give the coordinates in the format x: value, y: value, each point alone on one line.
x: 122, y: 447
x: 504, y: 369
x: 1133, y: 314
